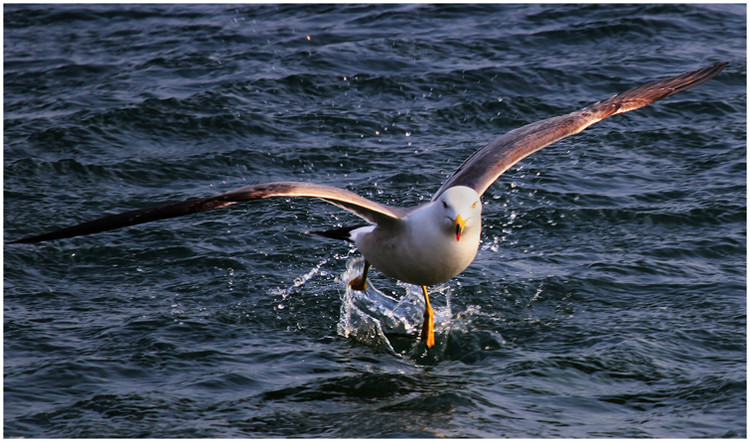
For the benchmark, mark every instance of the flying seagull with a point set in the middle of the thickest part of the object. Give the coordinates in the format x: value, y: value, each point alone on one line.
x: 430, y: 243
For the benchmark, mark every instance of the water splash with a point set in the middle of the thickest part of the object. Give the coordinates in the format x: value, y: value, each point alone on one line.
x: 380, y: 320
x: 298, y: 281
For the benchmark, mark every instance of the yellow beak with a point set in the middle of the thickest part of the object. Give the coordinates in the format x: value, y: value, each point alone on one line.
x: 459, y: 225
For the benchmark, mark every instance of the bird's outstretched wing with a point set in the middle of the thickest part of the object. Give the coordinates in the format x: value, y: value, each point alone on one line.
x: 491, y: 161
x: 362, y: 207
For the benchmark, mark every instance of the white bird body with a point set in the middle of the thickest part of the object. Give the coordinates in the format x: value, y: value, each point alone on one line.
x: 423, y: 248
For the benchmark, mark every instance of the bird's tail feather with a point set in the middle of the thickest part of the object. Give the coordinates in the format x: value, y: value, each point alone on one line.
x: 339, y: 233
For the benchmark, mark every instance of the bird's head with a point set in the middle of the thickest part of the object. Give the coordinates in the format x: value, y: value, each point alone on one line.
x: 461, y: 210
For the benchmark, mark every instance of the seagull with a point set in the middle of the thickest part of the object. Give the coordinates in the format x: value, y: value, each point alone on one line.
x: 430, y: 243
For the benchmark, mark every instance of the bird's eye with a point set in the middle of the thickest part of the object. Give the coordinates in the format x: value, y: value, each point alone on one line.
x: 474, y: 206
x: 445, y: 205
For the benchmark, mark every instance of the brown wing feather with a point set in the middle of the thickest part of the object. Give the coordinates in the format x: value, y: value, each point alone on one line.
x: 488, y: 163
x: 364, y: 208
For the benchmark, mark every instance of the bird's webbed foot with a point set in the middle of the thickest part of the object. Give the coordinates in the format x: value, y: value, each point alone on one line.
x: 360, y: 282
x: 428, y: 326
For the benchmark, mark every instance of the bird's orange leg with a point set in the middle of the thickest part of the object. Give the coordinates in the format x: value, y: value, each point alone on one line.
x: 428, y: 326
x: 360, y: 282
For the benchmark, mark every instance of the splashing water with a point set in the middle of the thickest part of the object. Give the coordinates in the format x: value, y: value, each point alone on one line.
x: 377, y: 319
x: 298, y: 281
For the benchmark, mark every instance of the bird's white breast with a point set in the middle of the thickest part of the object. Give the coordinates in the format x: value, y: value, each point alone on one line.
x: 421, y: 250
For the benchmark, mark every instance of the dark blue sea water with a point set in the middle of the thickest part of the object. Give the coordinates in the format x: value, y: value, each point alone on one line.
x: 608, y: 298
